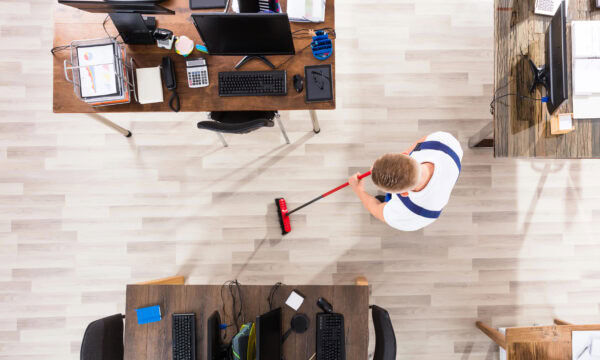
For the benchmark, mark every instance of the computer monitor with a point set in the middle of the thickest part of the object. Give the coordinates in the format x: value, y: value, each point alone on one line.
x: 126, y: 16
x: 250, y: 35
x: 214, y: 348
x: 554, y: 76
x: 268, y: 336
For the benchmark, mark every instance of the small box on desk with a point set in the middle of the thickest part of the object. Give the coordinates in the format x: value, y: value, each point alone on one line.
x: 561, y: 124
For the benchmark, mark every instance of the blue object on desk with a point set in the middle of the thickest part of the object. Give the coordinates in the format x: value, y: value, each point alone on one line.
x: 321, y: 45
x: 201, y: 48
x: 148, y: 314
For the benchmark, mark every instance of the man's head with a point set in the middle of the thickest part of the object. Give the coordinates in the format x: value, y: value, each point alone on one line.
x: 396, y: 173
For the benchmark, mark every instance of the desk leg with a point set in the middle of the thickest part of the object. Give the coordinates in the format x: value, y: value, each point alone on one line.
x: 315, y: 121
x: 484, y: 137
x: 111, y: 125
x: 493, y: 334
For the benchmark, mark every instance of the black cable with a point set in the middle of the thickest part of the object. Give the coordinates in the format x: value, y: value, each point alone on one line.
x: 292, y: 56
x: 494, y: 100
x: 174, y: 99
x: 237, y: 312
x: 56, y: 49
x: 272, y: 293
x: 106, y: 31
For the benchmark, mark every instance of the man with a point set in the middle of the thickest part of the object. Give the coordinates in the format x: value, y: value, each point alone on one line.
x: 418, y: 182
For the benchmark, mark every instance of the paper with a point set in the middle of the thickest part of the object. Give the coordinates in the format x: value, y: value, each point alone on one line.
x: 150, y: 89
x: 294, y: 301
x: 97, y: 70
x: 306, y: 10
x: 586, y: 107
x: 586, y: 39
x: 583, y: 343
x: 565, y: 122
x: 586, y: 76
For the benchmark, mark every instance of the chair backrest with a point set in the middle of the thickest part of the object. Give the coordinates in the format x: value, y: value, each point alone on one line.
x: 385, y: 338
x: 103, y: 339
x: 238, y: 122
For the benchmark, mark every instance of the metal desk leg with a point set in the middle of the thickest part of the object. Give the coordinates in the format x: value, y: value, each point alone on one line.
x: 111, y: 124
x: 315, y: 121
x: 482, y: 138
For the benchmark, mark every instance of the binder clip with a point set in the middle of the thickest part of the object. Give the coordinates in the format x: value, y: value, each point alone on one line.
x: 321, y: 45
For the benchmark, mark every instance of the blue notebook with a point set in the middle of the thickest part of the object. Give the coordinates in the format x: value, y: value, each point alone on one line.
x: 148, y: 314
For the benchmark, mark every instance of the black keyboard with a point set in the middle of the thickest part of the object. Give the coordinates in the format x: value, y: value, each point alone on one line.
x: 184, y: 337
x: 330, y: 337
x: 252, y: 83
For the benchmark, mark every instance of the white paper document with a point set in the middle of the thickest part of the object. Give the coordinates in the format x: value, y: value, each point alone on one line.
x: 97, y: 70
x: 565, y: 122
x: 150, y: 89
x: 586, y: 76
x: 586, y: 39
x: 586, y: 69
x: 306, y: 10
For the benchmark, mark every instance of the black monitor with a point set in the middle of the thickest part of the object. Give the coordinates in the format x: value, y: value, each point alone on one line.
x: 268, y: 336
x: 214, y: 348
x: 126, y: 16
x: 250, y: 35
x: 554, y: 76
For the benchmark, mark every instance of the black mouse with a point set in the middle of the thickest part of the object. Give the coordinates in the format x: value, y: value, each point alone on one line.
x: 298, y: 83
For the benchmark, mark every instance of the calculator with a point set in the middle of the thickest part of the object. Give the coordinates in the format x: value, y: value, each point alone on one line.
x: 197, y: 73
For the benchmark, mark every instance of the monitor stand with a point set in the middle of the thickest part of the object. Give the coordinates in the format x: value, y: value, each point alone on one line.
x: 250, y: 57
x: 540, y: 76
x: 133, y: 28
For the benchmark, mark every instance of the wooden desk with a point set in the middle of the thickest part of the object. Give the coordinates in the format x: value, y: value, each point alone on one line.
x: 536, y: 342
x: 521, y: 128
x: 153, y: 341
x: 72, y: 24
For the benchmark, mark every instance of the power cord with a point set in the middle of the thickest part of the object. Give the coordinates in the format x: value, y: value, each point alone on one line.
x: 272, y: 293
x: 495, y: 99
x: 237, y: 313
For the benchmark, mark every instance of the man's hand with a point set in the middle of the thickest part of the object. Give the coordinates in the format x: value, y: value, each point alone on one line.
x: 356, y: 184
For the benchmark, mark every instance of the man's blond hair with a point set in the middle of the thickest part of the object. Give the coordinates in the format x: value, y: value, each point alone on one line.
x: 396, y: 173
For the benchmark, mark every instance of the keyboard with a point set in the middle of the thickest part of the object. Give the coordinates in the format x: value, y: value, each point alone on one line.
x: 330, y: 337
x: 184, y: 337
x: 253, y: 83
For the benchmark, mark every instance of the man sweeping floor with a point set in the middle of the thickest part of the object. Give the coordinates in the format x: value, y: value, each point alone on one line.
x: 418, y: 182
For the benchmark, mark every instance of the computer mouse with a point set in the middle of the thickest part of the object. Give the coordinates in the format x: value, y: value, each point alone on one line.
x: 298, y: 83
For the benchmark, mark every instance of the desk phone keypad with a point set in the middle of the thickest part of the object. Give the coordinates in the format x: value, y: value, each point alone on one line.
x: 197, y: 73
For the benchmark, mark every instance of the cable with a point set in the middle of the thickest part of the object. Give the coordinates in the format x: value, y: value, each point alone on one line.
x: 174, y: 99
x: 494, y: 100
x: 292, y: 56
x: 56, y: 49
x: 106, y: 31
x: 272, y: 293
x: 237, y: 314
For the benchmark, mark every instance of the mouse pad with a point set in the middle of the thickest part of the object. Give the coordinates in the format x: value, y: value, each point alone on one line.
x: 319, y: 84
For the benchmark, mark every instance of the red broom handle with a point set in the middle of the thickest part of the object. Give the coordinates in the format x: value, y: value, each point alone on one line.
x: 346, y: 184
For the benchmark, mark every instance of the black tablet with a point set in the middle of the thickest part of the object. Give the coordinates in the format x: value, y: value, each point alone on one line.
x: 319, y: 83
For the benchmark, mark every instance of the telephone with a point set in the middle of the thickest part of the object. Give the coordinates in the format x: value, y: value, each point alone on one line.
x: 168, y: 73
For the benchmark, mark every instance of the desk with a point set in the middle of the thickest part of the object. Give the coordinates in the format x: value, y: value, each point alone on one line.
x: 72, y: 24
x: 536, y: 342
x: 521, y: 128
x: 153, y: 341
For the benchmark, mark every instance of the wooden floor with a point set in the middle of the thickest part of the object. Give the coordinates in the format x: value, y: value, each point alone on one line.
x: 84, y: 211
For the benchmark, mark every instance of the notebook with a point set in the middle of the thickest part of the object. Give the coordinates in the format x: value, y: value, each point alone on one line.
x: 150, y: 89
x: 306, y: 10
x: 586, y: 69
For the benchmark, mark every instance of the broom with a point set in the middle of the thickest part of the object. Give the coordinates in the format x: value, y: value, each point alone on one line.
x: 284, y: 214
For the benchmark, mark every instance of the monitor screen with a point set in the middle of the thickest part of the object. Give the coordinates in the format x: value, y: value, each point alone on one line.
x: 245, y: 34
x: 149, y: 7
x: 213, y: 341
x: 556, y: 59
x: 268, y: 335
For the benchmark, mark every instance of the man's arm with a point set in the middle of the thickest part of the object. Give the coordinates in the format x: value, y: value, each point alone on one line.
x: 370, y: 203
x: 410, y: 149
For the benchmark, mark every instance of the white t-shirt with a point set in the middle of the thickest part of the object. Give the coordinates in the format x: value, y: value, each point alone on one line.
x: 437, y: 192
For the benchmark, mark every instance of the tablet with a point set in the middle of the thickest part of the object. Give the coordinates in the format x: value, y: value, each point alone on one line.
x: 319, y: 83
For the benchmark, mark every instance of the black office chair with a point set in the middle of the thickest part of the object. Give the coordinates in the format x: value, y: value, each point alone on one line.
x: 240, y: 122
x: 385, y: 338
x: 103, y: 339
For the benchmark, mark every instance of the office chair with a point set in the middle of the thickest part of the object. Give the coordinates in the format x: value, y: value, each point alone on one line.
x: 103, y: 339
x: 385, y: 339
x: 240, y: 122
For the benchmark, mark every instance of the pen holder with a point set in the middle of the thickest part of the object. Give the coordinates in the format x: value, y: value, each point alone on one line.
x: 321, y: 45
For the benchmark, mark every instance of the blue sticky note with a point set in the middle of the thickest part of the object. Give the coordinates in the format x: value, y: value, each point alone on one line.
x: 148, y: 314
x: 201, y: 48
